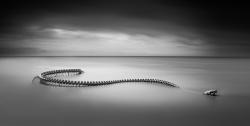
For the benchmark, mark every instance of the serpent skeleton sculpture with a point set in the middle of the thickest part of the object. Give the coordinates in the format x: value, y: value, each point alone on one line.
x: 48, y: 78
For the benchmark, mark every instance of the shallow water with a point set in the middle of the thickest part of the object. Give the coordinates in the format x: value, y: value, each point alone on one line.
x: 24, y: 102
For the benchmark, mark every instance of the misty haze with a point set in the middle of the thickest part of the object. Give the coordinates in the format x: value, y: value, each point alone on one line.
x: 124, y: 63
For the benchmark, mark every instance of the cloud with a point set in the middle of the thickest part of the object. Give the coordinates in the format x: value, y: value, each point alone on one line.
x: 20, y: 51
x: 106, y: 35
x: 84, y: 42
x: 93, y: 27
x: 114, y: 43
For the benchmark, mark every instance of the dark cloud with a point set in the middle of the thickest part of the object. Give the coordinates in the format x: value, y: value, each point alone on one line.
x: 220, y: 28
x: 20, y: 51
x: 221, y: 15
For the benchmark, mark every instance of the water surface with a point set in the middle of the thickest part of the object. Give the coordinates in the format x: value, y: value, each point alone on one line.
x: 27, y: 103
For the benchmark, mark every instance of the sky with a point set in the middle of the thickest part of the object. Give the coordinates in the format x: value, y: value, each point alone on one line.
x: 124, y: 28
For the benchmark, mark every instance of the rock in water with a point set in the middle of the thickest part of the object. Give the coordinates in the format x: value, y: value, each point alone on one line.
x: 211, y: 92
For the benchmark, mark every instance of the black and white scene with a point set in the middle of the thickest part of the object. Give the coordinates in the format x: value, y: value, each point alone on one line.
x: 124, y: 63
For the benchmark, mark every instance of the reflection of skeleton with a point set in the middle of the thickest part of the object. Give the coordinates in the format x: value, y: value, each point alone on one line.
x: 211, y: 92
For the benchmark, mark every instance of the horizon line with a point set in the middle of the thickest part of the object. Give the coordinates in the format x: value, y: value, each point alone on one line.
x: 145, y: 56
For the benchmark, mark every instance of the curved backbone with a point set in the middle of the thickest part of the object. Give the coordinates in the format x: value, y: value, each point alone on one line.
x: 48, y: 78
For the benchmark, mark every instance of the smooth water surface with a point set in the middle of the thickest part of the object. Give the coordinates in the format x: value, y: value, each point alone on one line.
x: 26, y: 102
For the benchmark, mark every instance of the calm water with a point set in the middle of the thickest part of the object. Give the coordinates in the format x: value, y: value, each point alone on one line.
x: 24, y: 102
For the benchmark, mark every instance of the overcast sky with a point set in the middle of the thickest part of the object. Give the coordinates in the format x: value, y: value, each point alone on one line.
x: 124, y: 28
